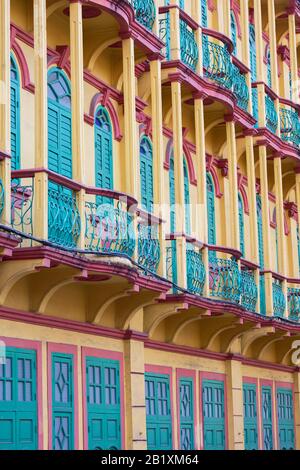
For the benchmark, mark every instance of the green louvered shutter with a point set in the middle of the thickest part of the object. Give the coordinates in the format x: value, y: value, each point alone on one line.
x: 252, y: 40
x: 267, y: 422
x: 233, y: 32
x: 18, y: 401
x: 241, y: 225
x: 250, y: 417
x: 146, y: 174
x: 103, y: 404
x: 172, y: 219
x: 187, y: 198
x: 186, y: 395
x: 285, y: 414
x: 103, y: 153
x: 158, y: 411
x: 14, y: 115
x: 262, y: 291
x: 213, y: 414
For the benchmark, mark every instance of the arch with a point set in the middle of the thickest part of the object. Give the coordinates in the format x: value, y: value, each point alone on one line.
x: 15, y: 128
x: 23, y: 66
x: 103, y: 149
x: 59, y: 123
x: 241, y: 224
x: 102, y: 99
x: 211, y: 216
x: 189, y: 160
x: 146, y: 173
x: 244, y: 197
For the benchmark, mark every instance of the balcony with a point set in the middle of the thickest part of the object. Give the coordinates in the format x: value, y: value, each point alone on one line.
x: 279, y: 303
x: 195, y: 270
x: 224, y: 279
x: 294, y: 304
x: 217, y: 63
x: 290, y: 126
x: 271, y: 117
x: 240, y: 88
x: 148, y: 246
x: 249, y: 291
x: 145, y: 12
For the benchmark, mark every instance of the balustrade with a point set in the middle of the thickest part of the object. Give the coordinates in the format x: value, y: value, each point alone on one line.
x: 290, y: 126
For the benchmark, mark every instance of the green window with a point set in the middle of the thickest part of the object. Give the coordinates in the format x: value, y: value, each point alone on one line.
x: 187, y: 198
x: 285, y: 414
x: 241, y: 225
x: 213, y: 414
x: 146, y: 173
x: 14, y: 114
x: 261, y: 254
x: 186, y: 394
x: 267, y: 423
x: 158, y: 411
x: 250, y: 416
x: 172, y: 260
x: 62, y: 402
x: 252, y: 40
x: 269, y: 68
x: 18, y: 401
x: 103, y: 151
x: 103, y: 403
x: 233, y: 32
x: 210, y: 190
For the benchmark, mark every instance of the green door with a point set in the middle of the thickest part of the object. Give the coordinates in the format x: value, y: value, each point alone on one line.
x: 18, y: 401
x: 103, y: 404
x: 213, y: 414
x: 62, y: 402
x: 267, y: 424
x: 250, y: 417
x: 186, y: 394
x: 158, y: 410
x: 285, y: 413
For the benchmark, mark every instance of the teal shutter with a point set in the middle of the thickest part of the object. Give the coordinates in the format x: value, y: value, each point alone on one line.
x: 103, y: 152
x: 241, y: 225
x: 213, y: 415
x: 62, y: 402
x: 261, y: 255
x: 59, y: 124
x: 186, y: 394
x: 267, y: 423
x: 252, y: 40
x: 250, y: 417
x: 187, y: 198
x: 18, y: 400
x: 103, y: 404
x: 233, y: 32
x: 158, y: 411
x: 285, y: 413
x: 269, y: 69
x: 211, y: 210
x: 146, y: 173
x: 204, y: 13
x: 14, y: 115
x: 173, y: 219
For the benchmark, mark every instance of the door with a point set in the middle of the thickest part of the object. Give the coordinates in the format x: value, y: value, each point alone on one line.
x: 213, y: 415
x: 267, y: 424
x: 250, y: 416
x: 186, y: 405
x: 285, y: 413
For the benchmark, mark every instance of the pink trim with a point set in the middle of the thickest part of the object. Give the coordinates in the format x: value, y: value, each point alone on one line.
x: 102, y: 354
x: 37, y: 346
x: 104, y: 100
x: 21, y: 61
x: 180, y: 374
x: 189, y: 160
x: 268, y: 383
x: 254, y: 381
x: 66, y: 349
x: 163, y: 370
x: 216, y: 181
x: 220, y: 378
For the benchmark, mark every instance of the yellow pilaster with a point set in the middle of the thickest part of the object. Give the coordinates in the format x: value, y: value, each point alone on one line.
x: 40, y: 215
x: 225, y: 19
x: 77, y: 90
x: 135, y: 395
x: 201, y: 222
x: 297, y: 408
x: 252, y: 199
x: 5, y: 166
x: 158, y: 156
x: 293, y: 57
x: 235, y: 405
x: 233, y: 184
x: 258, y: 40
x: 179, y: 181
x: 273, y: 45
x: 244, y: 5
x: 175, y: 33
x: 196, y: 13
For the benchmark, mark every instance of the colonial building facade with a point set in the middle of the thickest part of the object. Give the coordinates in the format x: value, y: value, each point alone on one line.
x: 149, y: 227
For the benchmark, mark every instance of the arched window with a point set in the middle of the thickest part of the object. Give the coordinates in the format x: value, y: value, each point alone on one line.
x: 241, y: 225
x: 233, y: 32
x: 59, y: 123
x: 211, y: 222
x: 14, y: 114
x: 146, y: 173
x: 269, y: 69
x: 252, y: 52
x: 261, y: 254
x: 103, y: 150
x: 187, y: 198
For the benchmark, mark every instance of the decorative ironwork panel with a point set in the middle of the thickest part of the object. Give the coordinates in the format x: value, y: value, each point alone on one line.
x: 240, y: 88
x: 271, y: 115
x: 290, y: 126
x: 225, y: 279
x: 145, y: 12
x: 279, y: 303
x: 22, y: 206
x: 294, y: 304
x: 217, y: 64
x: 188, y: 46
x: 148, y: 247
x: 195, y: 271
x: 249, y: 291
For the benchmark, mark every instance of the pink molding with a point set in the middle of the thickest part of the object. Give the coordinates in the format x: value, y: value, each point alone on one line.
x: 189, y: 160
x: 236, y: 11
x: 163, y: 370
x: 180, y: 374
x: 220, y: 378
x: 210, y: 168
x: 254, y: 381
x: 22, y: 63
x: 66, y: 349
x: 102, y: 354
x: 104, y: 100
x: 243, y: 192
x: 37, y: 346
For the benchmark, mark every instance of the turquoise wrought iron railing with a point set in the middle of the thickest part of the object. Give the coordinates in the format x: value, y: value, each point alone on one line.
x: 195, y: 271
x: 217, y: 63
x: 145, y: 12
x: 240, y: 88
x: 290, y: 126
x: 188, y: 46
x: 22, y: 205
x: 64, y: 223
x: 249, y: 291
x: 148, y: 247
x: 109, y: 228
x: 271, y: 115
x: 255, y: 105
x: 164, y: 35
x: 2, y: 197
x: 225, y: 280
x: 294, y: 304
x: 279, y: 303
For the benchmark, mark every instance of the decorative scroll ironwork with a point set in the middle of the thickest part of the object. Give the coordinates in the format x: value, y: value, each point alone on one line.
x: 188, y: 46
x: 145, y: 12
x: 290, y: 126
x: 271, y: 115
x: 249, y: 291
x: 164, y: 35
x: 240, y: 88
x: 225, y: 279
x: 217, y: 63
x: 109, y: 229
x: 278, y: 299
x: 64, y: 223
x: 195, y: 271
x: 22, y: 206
x: 148, y: 247
x: 294, y: 304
